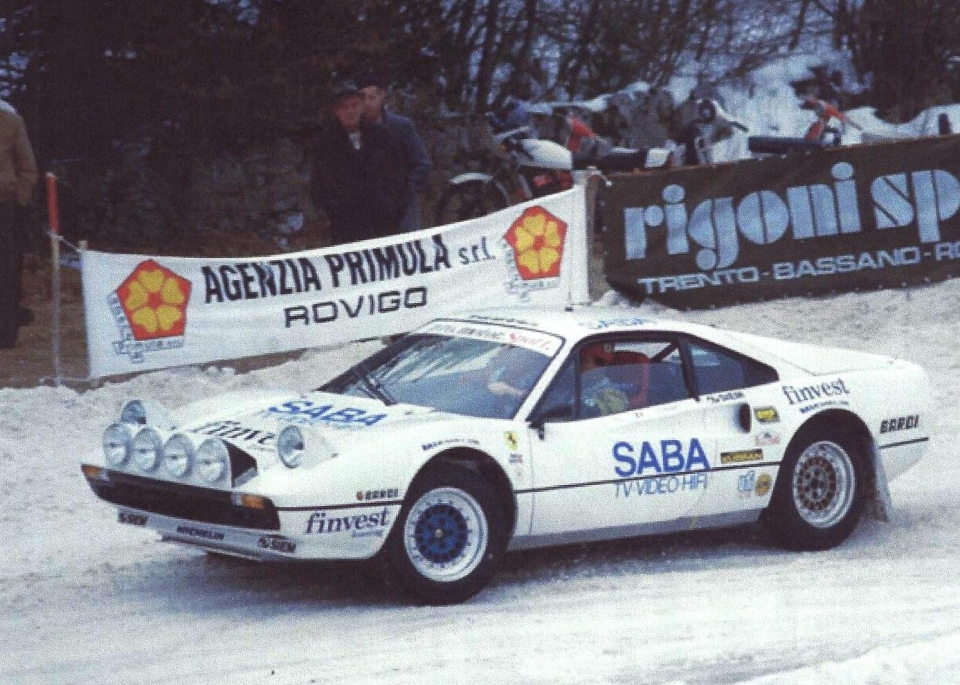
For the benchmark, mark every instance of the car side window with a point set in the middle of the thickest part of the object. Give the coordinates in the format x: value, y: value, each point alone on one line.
x: 614, y: 376
x: 718, y: 370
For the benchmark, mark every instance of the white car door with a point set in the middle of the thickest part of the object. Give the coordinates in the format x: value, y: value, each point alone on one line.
x: 739, y: 398
x: 611, y: 475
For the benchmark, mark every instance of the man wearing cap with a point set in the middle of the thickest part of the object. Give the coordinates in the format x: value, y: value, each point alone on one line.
x: 358, y: 179
x: 18, y: 174
x: 416, y: 161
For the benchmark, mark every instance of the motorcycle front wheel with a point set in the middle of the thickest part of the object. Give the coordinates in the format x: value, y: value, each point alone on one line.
x: 469, y: 200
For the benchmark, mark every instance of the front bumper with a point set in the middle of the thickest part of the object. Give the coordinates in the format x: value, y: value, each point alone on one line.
x: 243, y: 524
x: 202, y: 505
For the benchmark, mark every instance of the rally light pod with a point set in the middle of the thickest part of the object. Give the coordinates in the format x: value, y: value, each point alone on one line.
x: 117, y: 444
x: 178, y: 455
x: 213, y: 461
x: 147, y: 450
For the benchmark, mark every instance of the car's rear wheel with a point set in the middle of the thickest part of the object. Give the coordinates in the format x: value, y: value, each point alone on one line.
x: 450, y: 535
x: 819, y: 495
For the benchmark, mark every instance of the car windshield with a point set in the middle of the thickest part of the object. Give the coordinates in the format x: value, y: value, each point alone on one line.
x: 452, y: 373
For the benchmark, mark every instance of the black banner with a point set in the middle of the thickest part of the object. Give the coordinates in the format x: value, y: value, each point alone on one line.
x: 841, y: 219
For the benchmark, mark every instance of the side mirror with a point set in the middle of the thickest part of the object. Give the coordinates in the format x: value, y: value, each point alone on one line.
x: 557, y: 414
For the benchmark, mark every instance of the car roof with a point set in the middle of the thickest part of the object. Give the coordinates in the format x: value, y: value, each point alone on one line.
x: 580, y: 321
x: 577, y: 322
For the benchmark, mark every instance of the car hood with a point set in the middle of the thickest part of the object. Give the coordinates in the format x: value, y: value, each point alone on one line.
x: 251, y: 421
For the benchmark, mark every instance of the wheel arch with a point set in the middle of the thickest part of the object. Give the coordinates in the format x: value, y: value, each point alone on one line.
x: 486, y: 466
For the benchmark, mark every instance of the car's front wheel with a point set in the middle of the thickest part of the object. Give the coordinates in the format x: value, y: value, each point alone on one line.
x: 819, y: 495
x: 451, y: 533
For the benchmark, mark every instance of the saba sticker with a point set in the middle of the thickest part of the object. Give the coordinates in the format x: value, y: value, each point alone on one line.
x: 534, y: 250
x: 150, y: 310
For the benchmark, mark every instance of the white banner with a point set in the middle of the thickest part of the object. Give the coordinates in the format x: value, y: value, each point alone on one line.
x: 147, y: 313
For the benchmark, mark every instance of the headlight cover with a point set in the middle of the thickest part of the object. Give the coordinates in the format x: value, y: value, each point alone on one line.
x: 304, y: 447
x: 134, y: 413
x: 139, y: 413
x: 178, y: 455
x: 213, y: 460
x: 291, y: 446
x: 147, y: 449
x: 117, y: 442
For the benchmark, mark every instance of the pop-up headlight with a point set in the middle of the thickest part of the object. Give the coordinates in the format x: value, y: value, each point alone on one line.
x: 303, y: 446
x: 139, y: 413
x: 290, y: 446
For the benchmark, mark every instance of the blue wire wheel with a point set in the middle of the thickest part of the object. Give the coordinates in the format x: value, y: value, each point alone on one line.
x: 446, y: 534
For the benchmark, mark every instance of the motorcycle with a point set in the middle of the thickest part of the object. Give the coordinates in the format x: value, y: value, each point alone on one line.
x: 820, y: 134
x: 524, y: 167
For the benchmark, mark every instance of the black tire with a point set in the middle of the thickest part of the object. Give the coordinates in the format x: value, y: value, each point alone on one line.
x: 819, y: 495
x: 468, y: 200
x: 447, y: 543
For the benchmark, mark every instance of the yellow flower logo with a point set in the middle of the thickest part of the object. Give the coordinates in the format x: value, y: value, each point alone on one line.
x: 537, y: 240
x: 154, y: 300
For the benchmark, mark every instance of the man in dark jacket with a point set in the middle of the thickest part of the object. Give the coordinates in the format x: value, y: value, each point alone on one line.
x: 416, y: 161
x: 18, y: 175
x: 358, y: 178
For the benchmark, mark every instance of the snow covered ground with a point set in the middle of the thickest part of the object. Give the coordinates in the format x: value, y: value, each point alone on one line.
x: 84, y: 600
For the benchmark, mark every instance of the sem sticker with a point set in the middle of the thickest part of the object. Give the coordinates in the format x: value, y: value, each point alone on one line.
x: 277, y: 543
x: 131, y: 519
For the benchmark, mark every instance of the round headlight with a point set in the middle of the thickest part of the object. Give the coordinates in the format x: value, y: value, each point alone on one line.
x: 147, y: 448
x: 290, y: 446
x: 178, y: 455
x: 116, y: 444
x: 213, y: 460
x: 134, y: 413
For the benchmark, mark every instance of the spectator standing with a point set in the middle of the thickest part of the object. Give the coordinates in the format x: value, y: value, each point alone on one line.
x: 18, y: 175
x: 357, y: 179
x: 416, y: 161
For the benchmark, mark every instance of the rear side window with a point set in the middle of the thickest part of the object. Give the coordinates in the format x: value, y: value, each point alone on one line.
x: 717, y: 370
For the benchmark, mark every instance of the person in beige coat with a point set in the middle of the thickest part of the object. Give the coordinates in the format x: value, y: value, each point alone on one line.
x: 18, y: 176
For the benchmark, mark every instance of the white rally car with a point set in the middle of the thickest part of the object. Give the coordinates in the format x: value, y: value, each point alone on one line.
x: 512, y: 429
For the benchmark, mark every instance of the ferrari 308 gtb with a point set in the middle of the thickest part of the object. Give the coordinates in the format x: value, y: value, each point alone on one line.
x: 512, y: 429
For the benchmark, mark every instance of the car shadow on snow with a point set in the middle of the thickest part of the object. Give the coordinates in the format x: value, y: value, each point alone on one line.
x: 195, y: 583
x: 649, y: 554
x: 745, y: 547
x: 192, y: 581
